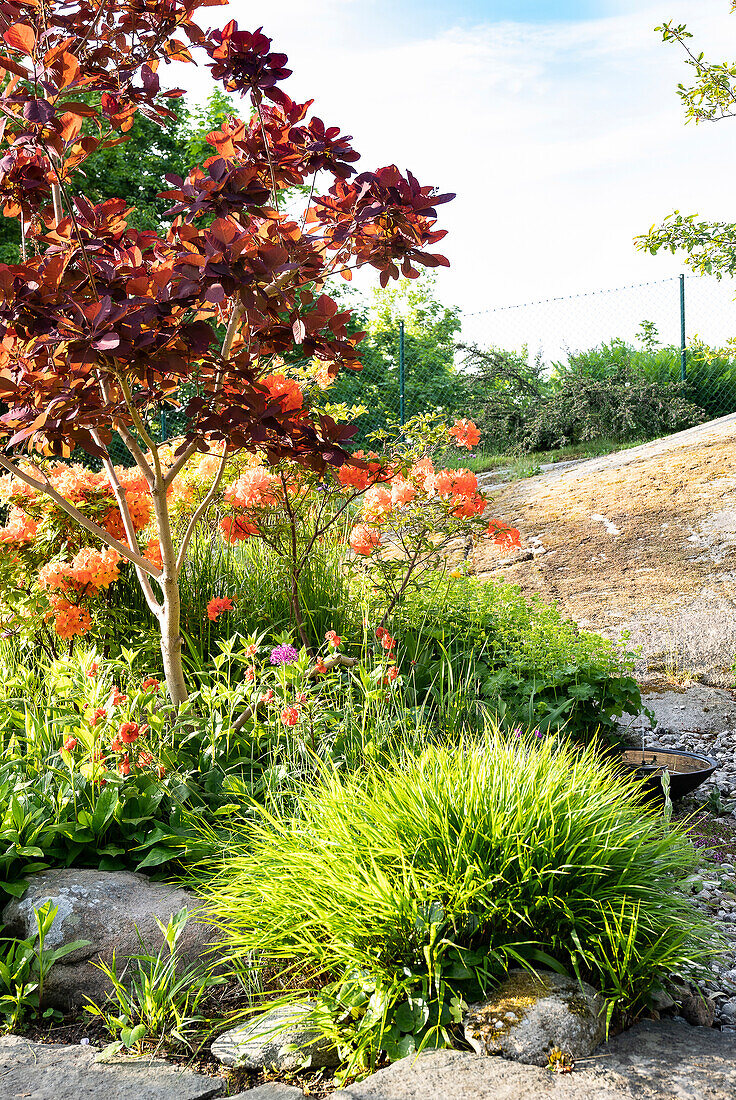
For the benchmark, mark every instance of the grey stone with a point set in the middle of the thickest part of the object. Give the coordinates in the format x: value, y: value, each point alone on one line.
x: 529, y: 1016
x: 280, y: 1039
x: 106, y: 908
x: 40, y: 1071
x: 695, y: 1006
x: 667, y: 1060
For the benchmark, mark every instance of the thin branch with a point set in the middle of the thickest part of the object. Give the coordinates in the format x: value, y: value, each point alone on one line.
x: 84, y: 521
x: 200, y: 510
x: 122, y: 503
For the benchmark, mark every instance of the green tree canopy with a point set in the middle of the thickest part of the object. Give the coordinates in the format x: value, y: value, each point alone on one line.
x: 709, y: 247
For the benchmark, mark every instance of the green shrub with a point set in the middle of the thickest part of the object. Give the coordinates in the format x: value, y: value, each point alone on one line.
x: 397, y: 895
x: 528, y: 664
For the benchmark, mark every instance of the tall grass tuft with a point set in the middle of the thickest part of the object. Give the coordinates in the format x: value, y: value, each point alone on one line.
x: 414, y: 884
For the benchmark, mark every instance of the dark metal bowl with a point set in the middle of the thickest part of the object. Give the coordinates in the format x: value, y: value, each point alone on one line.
x: 687, y: 770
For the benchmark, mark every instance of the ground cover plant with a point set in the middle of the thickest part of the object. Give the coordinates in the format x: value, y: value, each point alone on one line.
x: 395, y: 896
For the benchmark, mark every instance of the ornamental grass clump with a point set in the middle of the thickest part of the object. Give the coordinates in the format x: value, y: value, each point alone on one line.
x: 398, y: 894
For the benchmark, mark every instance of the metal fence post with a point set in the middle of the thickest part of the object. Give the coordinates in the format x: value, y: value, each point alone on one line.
x: 683, y: 350
x: 163, y: 424
x: 401, y: 372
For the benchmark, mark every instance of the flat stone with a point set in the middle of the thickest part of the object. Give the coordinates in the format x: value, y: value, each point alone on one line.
x: 530, y: 1015
x: 699, y: 708
x: 271, y: 1091
x: 111, y: 909
x: 42, y: 1071
x: 666, y: 1060
x: 279, y: 1039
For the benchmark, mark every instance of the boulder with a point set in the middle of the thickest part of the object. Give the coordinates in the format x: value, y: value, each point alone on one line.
x: 106, y: 908
x: 653, y: 1061
x: 530, y: 1016
x: 280, y: 1039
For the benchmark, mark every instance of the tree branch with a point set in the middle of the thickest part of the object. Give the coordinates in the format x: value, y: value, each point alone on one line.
x: 200, y: 510
x: 84, y: 521
x: 122, y: 502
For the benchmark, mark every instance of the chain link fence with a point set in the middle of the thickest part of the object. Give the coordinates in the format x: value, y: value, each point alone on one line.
x: 625, y: 362
x: 630, y: 361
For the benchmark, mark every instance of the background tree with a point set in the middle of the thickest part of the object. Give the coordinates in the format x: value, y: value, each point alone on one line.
x: 709, y: 247
x: 102, y: 321
x: 432, y: 379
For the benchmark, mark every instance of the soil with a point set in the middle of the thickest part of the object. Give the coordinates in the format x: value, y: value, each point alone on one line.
x: 642, y: 541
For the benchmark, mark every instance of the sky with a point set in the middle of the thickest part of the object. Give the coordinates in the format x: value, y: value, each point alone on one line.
x: 556, y: 123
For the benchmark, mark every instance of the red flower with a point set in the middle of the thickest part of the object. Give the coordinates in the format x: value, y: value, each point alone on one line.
x: 129, y: 732
x: 290, y: 716
x: 333, y: 639
x: 116, y: 745
x: 250, y: 675
x: 392, y: 673
x: 387, y: 642
x: 151, y: 684
x: 124, y: 765
x: 92, y: 670
x: 70, y: 744
x: 98, y: 714
x: 216, y: 607
x: 144, y: 759
x: 266, y: 697
x: 251, y: 650
x: 301, y: 698
x: 320, y: 666
x: 117, y: 698
x: 160, y: 771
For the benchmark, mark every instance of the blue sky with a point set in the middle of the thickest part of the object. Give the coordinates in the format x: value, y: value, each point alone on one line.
x: 556, y: 122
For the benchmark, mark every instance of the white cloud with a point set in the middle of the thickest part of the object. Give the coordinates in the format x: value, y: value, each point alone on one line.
x: 562, y: 141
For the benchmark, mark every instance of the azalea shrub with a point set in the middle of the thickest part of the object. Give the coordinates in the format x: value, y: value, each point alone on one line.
x: 405, y: 510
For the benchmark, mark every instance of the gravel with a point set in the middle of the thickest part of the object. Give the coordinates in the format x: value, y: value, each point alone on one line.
x: 714, y: 892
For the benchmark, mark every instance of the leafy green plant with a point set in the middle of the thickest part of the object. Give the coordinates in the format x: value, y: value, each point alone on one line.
x: 24, y: 967
x: 158, y: 1000
x: 396, y: 894
x: 528, y: 665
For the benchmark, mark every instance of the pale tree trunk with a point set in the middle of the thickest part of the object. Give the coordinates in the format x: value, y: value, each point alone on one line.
x: 171, y: 641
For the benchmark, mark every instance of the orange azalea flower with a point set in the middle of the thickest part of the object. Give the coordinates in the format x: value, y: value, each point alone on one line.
x: 465, y: 434
x: 364, y: 539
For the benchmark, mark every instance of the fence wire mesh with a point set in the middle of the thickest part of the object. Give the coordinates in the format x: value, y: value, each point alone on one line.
x: 630, y: 361
x: 655, y: 351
